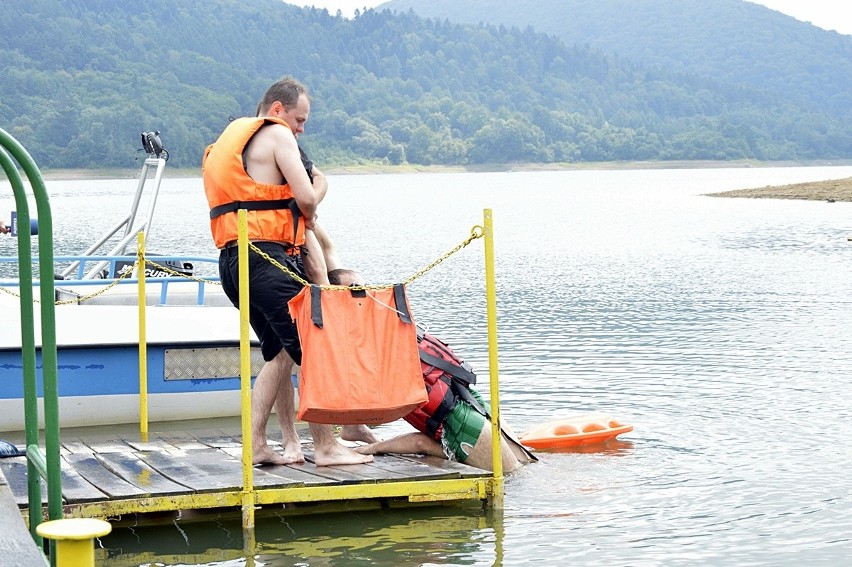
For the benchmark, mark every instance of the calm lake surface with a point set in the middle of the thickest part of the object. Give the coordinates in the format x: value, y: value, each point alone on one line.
x: 720, y: 328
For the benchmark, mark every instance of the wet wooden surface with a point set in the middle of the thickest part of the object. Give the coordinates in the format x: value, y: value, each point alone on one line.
x: 104, y: 467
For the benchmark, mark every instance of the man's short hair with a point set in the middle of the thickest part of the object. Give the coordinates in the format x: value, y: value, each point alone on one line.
x: 286, y: 91
x: 335, y: 277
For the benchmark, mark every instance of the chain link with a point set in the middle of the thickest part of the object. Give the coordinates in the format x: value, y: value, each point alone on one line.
x: 172, y: 272
x: 476, y: 232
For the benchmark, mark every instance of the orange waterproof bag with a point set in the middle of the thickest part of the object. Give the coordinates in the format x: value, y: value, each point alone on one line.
x: 360, y: 363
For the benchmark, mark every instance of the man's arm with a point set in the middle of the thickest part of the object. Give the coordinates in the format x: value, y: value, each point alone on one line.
x: 320, y: 184
x: 327, y: 247
x: 289, y: 162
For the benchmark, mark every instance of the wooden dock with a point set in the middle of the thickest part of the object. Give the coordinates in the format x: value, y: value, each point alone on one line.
x: 113, y: 476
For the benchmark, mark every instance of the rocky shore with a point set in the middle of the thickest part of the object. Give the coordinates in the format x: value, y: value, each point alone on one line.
x: 831, y: 190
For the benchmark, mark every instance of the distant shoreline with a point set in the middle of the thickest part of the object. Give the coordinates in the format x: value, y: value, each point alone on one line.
x: 831, y: 190
x: 828, y: 190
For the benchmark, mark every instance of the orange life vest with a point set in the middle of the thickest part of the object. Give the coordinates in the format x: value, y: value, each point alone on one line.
x: 273, y: 213
x: 446, y: 376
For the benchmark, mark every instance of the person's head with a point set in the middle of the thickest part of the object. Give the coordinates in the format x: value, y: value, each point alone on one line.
x: 288, y: 100
x: 342, y: 276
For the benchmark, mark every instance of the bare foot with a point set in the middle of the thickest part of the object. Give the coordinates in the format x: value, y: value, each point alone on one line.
x: 263, y: 455
x: 366, y: 449
x: 337, y: 454
x: 358, y: 433
x: 293, y: 453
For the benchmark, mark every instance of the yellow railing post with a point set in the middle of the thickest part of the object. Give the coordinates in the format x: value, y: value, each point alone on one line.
x: 491, y: 304
x: 245, y: 372
x: 143, y: 343
x: 74, y: 539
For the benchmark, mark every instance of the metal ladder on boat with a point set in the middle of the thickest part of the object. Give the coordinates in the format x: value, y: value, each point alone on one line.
x: 128, y: 224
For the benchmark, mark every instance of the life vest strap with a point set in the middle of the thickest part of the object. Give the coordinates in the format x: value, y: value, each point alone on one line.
x: 234, y: 206
x: 271, y: 205
x: 448, y: 403
x: 454, y: 370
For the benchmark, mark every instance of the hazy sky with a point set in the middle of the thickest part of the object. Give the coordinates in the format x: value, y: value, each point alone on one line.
x: 827, y: 14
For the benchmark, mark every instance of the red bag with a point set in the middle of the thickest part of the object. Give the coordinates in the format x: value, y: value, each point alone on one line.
x: 360, y: 362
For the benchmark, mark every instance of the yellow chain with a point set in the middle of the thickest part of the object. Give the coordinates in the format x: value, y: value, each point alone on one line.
x: 476, y: 232
x: 82, y: 298
x: 124, y: 275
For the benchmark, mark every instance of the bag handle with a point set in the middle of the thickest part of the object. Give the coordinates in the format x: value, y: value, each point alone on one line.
x: 398, y: 297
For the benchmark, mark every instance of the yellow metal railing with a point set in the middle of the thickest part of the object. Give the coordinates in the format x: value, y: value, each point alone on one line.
x: 248, y: 497
x: 494, y: 372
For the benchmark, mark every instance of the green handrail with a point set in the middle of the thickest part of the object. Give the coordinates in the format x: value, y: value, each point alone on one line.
x: 50, y: 460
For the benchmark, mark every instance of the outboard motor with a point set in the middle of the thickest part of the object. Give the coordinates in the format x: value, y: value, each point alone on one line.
x: 180, y: 267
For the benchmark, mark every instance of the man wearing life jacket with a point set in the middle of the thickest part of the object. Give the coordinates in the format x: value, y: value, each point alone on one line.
x: 454, y: 423
x: 255, y: 165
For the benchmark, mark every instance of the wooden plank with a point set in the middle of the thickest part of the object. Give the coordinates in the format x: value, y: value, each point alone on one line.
x: 17, y: 545
x: 179, y: 469
x: 14, y: 469
x: 289, y: 473
x: 220, y: 465
x: 75, y: 445
x: 218, y: 439
x: 180, y: 440
x: 106, y: 444
x: 464, y: 471
x: 411, y: 469
x: 153, y: 444
x: 366, y: 472
x: 91, y: 469
x: 338, y: 474
x: 138, y: 473
x: 75, y: 488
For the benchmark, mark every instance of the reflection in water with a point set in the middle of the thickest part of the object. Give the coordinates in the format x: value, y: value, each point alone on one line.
x: 447, y: 536
x: 613, y: 447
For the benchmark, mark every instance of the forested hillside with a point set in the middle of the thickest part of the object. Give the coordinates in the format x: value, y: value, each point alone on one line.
x: 82, y: 78
x: 730, y: 41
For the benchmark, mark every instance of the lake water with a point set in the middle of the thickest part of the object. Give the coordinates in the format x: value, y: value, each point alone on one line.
x: 720, y: 328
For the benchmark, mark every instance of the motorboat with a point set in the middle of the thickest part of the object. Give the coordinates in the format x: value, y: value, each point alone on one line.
x: 189, y: 340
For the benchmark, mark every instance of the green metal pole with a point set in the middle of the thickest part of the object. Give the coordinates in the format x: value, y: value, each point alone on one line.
x: 28, y: 350
x: 48, y: 323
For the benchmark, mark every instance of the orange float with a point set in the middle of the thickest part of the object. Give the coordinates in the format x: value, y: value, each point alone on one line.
x: 573, y: 431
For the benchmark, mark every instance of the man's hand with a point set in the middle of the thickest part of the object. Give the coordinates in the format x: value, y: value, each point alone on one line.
x: 310, y: 223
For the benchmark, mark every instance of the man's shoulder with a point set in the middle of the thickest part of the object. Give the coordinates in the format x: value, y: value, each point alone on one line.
x: 276, y: 130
